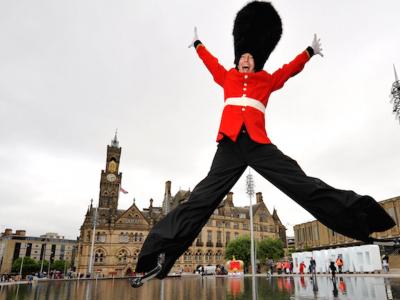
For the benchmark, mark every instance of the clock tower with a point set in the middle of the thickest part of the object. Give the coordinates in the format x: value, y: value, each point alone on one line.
x: 110, y: 179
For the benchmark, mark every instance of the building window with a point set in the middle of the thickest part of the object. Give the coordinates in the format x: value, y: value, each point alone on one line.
x: 187, y: 256
x: 135, y: 255
x: 122, y: 256
x: 198, y: 257
x: 208, y: 256
x: 228, y: 237
x: 209, y: 236
x: 100, y: 237
x: 227, y: 224
x: 99, y: 256
x: 124, y: 237
x: 218, y: 256
x: 236, y: 235
x: 235, y: 225
x: 263, y: 217
x: 219, y: 237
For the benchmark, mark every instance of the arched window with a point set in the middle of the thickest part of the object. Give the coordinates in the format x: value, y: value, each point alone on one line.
x: 188, y: 256
x: 208, y: 256
x: 198, y: 256
x: 99, y: 256
x: 135, y: 255
x: 136, y: 237
x: 218, y: 256
x: 122, y: 256
x: 140, y: 237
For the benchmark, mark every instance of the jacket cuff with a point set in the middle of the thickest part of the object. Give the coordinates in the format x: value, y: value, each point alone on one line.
x: 310, y: 51
x: 196, y: 43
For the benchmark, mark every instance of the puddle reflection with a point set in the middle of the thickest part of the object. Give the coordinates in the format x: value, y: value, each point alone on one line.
x: 211, y: 288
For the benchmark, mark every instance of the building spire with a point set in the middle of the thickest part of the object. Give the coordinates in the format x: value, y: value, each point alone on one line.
x: 114, y: 141
x: 395, y: 74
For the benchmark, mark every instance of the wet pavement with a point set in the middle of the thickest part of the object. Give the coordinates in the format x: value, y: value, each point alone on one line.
x: 370, y: 287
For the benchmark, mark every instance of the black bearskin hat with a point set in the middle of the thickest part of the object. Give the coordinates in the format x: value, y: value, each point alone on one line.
x: 257, y: 30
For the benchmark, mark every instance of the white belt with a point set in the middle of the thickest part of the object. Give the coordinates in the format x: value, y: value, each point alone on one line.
x: 245, y: 101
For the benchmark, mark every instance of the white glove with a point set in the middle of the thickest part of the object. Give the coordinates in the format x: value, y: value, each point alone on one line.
x: 195, y: 38
x: 316, y: 45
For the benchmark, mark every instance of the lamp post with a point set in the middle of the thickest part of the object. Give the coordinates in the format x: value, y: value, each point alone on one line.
x: 250, y: 192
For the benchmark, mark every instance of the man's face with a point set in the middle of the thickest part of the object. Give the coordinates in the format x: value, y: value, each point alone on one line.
x: 246, y: 63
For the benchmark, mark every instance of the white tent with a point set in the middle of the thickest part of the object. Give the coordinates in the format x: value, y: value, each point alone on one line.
x: 355, y: 259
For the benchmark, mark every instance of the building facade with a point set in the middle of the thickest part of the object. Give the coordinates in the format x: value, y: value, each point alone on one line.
x: 119, y: 234
x: 48, y: 247
x: 314, y: 235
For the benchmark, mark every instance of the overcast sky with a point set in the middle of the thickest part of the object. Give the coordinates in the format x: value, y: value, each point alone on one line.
x: 71, y: 72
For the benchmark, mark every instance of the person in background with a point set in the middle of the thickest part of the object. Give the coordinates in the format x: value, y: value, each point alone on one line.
x: 385, y: 263
x: 339, y: 263
x: 302, y: 267
x: 313, y: 265
x: 332, y: 267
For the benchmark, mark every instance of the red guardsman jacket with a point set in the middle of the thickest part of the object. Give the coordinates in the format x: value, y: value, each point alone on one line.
x: 246, y: 94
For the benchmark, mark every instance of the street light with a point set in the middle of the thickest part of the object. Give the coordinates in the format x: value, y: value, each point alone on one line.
x: 250, y: 192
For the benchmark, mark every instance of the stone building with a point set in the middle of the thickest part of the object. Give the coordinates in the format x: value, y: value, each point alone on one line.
x: 49, y: 247
x: 120, y: 233
x: 313, y: 235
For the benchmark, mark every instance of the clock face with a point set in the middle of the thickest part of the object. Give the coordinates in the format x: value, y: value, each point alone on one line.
x: 111, y: 177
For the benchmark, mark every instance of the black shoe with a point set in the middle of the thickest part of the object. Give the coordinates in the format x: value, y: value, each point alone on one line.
x: 138, y: 281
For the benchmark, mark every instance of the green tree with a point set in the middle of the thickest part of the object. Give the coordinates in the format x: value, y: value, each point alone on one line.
x: 29, y: 266
x: 240, y: 249
x: 59, y: 265
x: 270, y: 248
x: 45, y: 265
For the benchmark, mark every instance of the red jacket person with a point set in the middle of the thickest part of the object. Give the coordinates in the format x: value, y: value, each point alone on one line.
x: 243, y: 141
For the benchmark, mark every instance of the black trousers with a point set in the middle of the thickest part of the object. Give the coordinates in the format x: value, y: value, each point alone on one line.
x: 343, y: 211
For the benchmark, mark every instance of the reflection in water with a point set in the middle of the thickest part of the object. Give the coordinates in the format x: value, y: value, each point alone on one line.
x: 211, y: 288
